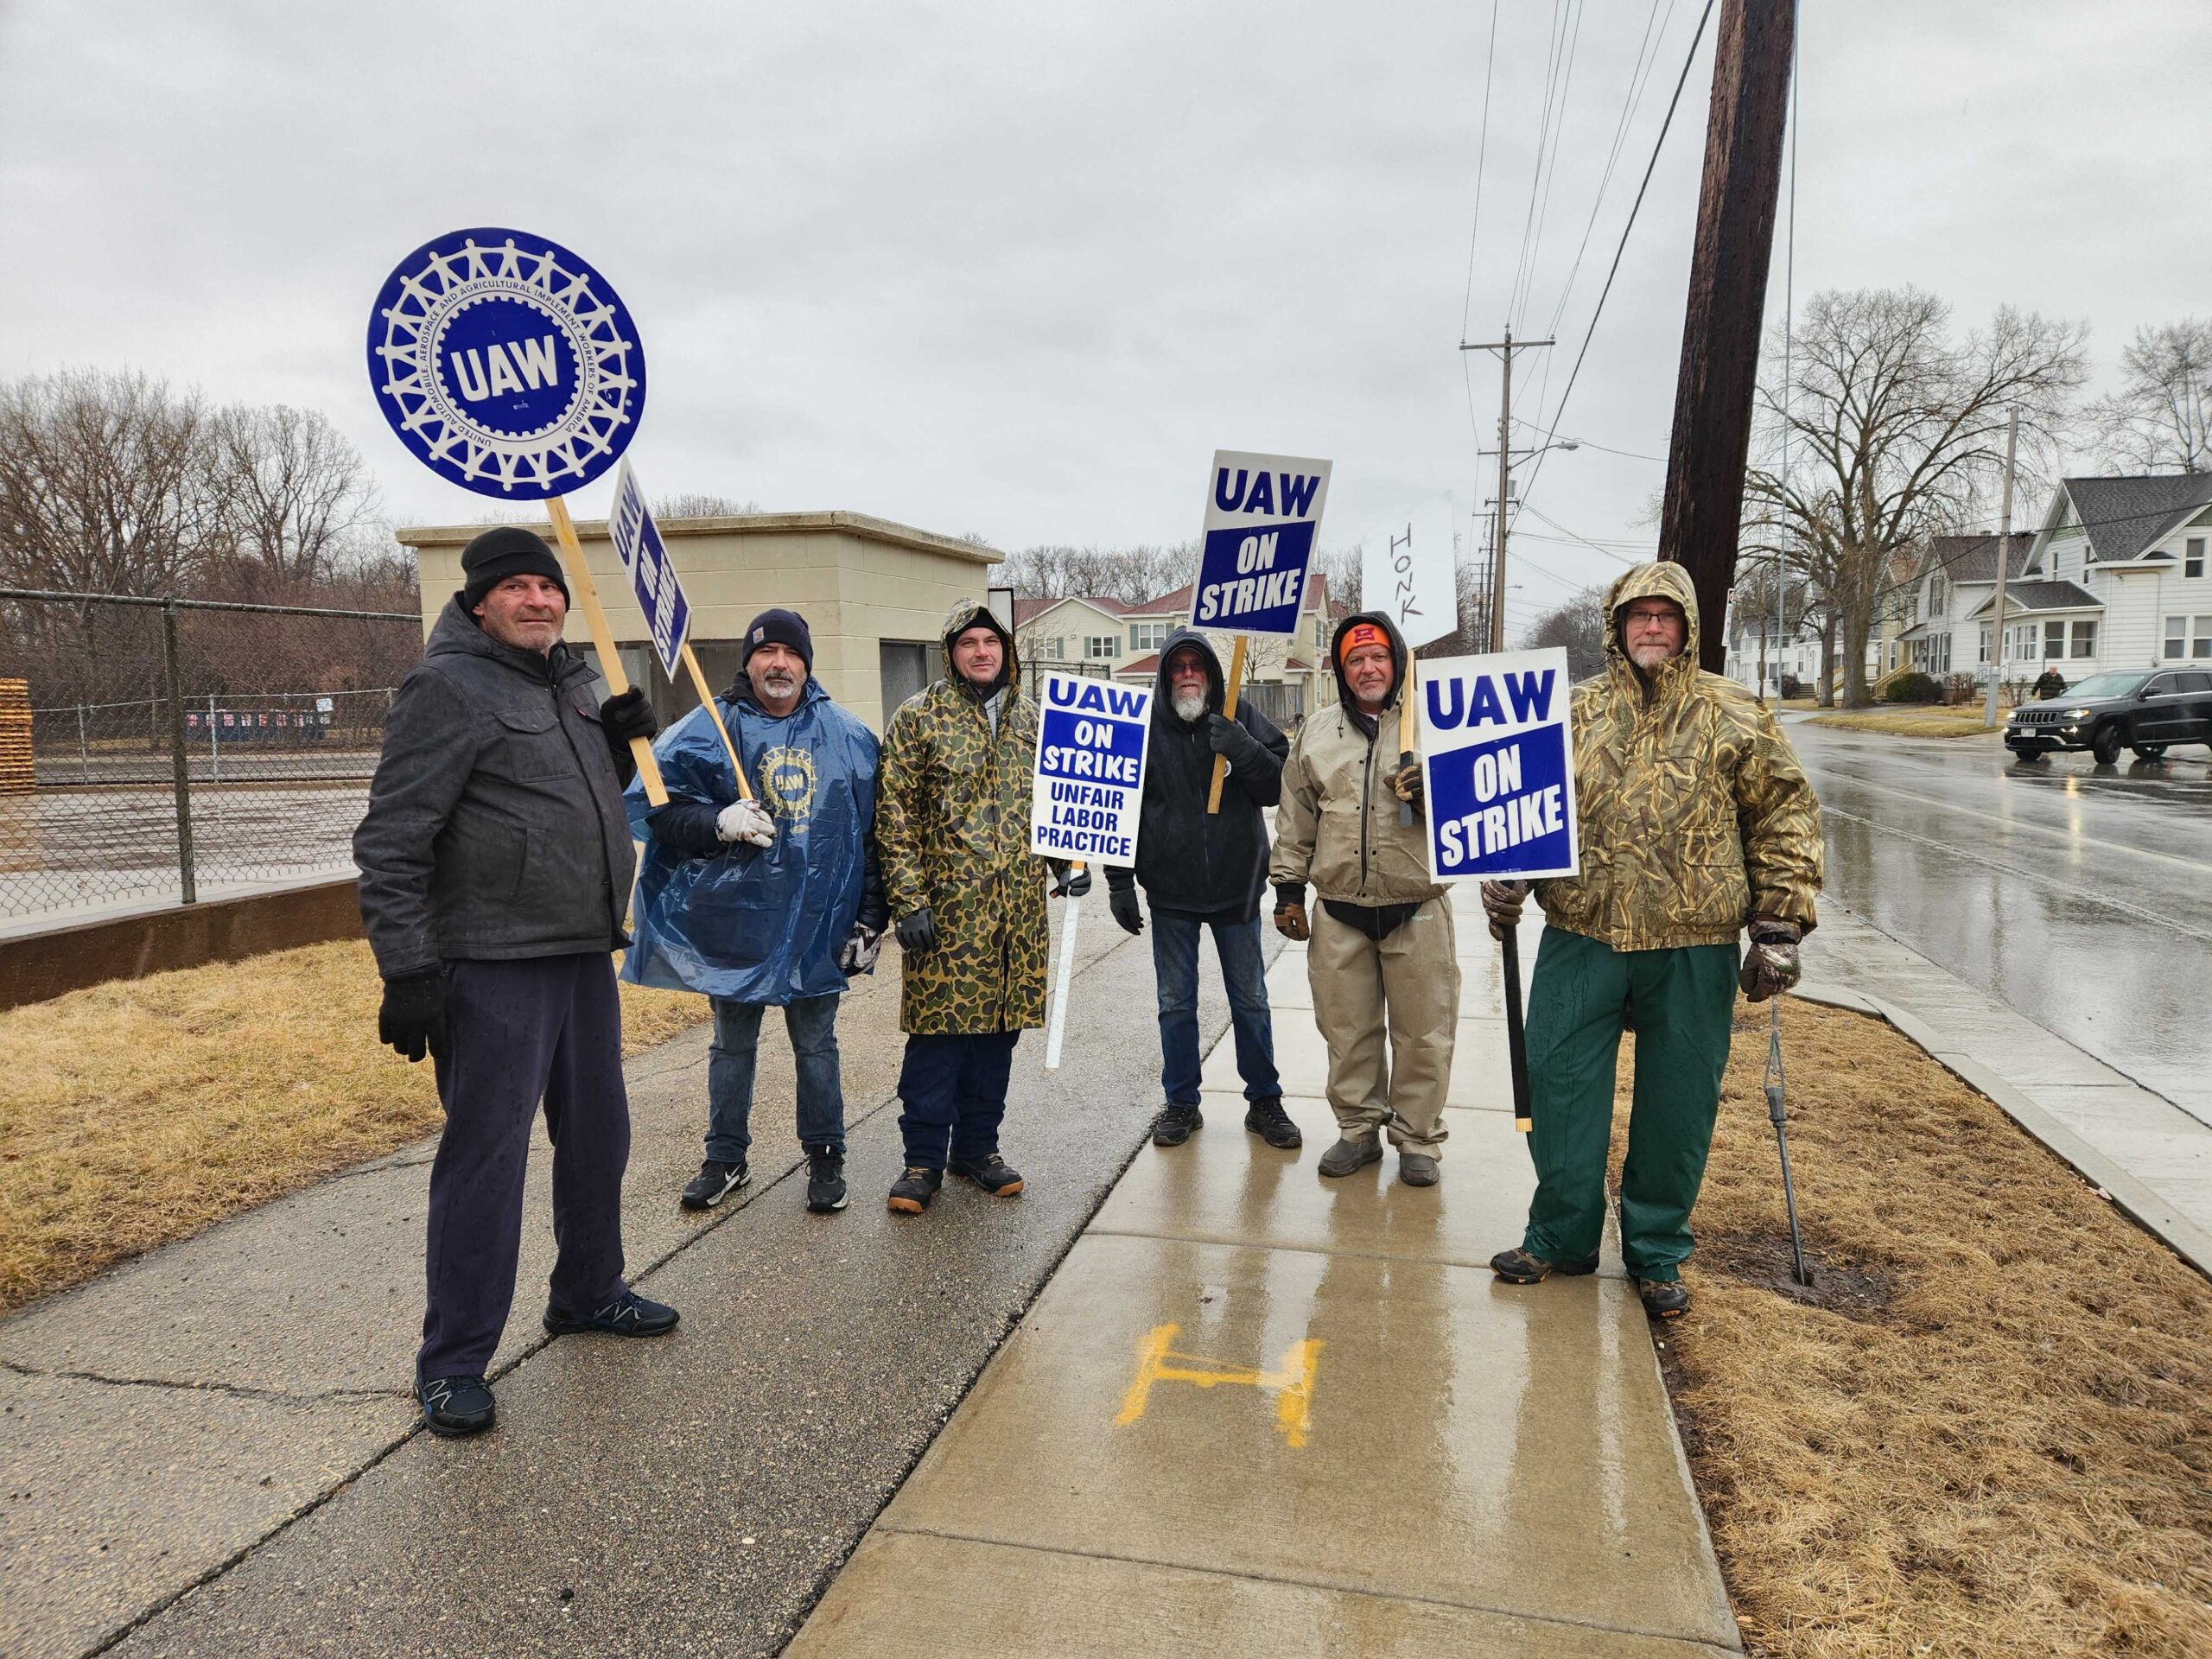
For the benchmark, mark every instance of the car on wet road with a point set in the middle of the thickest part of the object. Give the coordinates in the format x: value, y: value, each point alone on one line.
x: 2146, y: 710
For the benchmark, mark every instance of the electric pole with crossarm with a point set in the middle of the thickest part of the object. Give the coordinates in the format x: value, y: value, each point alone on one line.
x: 1504, y: 348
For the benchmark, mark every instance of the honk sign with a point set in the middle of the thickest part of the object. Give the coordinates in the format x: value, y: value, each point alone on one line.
x: 1091, y: 741
x: 1498, y: 752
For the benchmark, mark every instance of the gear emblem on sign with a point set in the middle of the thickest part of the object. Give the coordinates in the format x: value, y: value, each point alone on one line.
x: 787, y: 784
x: 506, y: 364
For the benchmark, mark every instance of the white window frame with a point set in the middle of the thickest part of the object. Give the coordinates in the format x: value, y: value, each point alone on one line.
x: 1102, y: 647
x: 1148, y: 636
x: 1055, y: 650
x: 2176, y: 648
x: 2054, y: 649
x: 2192, y: 556
x: 2083, y: 639
x: 2200, y: 639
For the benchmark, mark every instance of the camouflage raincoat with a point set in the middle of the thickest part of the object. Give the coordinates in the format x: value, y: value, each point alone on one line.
x: 1694, y: 813
x: 952, y: 828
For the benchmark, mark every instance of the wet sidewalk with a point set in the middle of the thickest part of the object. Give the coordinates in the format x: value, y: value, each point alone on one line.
x: 1258, y: 1412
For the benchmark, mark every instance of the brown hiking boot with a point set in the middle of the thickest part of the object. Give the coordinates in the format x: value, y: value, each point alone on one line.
x: 1519, y: 1267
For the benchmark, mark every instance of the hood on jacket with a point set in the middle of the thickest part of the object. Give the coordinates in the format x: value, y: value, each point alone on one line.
x: 1398, y: 656
x: 1217, y: 682
x: 457, y: 631
x: 1662, y: 580
x: 965, y: 614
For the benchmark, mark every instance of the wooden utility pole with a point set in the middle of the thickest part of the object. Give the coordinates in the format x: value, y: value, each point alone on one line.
x: 1504, y: 348
x: 1703, y: 514
x: 2004, y: 556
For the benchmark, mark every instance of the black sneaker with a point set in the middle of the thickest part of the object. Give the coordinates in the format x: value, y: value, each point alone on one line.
x: 454, y: 1406
x: 991, y: 1173
x: 911, y: 1192
x: 1173, y: 1125
x: 713, y: 1183
x: 825, y: 1179
x: 1663, y: 1299
x: 628, y: 1315
x: 1266, y: 1119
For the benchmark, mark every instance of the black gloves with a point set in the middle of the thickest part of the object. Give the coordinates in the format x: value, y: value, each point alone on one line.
x: 1068, y: 882
x: 1290, y: 920
x: 1406, y: 784
x: 1122, y: 901
x: 918, y: 932
x: 626, y: 717
x: 1226, y: 738
x: 412, y: 1021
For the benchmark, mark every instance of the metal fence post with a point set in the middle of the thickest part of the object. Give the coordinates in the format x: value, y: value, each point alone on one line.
x: 84, y: 750
x: 180, y: 767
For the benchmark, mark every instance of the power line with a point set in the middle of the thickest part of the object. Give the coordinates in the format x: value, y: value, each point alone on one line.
x: 1554, y: 35
x: 1551, y: 169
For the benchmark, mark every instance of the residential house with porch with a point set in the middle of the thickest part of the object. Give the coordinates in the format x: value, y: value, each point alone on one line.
x: 1957, y: 578
x: 2118, y: 566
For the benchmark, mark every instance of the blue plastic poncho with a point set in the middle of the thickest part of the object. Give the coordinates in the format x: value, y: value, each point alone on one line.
x: 757, y: 925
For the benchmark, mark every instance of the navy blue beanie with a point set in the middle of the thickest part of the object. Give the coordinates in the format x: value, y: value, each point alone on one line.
x: 779, y: 627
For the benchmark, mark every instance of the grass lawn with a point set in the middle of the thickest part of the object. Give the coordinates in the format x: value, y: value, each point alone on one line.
x: 1910, y: 720
x: 139, y: 1111
x: 1986, y: 1430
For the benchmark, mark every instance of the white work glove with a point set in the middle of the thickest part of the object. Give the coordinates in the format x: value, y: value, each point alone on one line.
x: 747, y: 821
x: 862, y: 947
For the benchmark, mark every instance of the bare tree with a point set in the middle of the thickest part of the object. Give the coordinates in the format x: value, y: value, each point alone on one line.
x: 1896, y: 429
x: 1130, y: 575
x: 1578, y: 625
x: 696, y: 503
x: 293, y: 504
x: 2160, y: 420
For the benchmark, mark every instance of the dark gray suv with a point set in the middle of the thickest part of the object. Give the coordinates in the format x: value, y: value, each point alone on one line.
x: 2147, y: 711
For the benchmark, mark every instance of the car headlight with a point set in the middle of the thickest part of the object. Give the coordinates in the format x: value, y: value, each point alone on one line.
x: 2076, y: 713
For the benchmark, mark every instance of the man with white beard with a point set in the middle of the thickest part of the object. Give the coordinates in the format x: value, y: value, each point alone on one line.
x: 1206, y: 871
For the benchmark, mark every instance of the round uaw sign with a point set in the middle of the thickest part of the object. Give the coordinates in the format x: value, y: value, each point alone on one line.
x: 506, y: 364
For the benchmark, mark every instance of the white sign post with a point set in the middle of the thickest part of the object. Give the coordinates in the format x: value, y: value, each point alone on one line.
x: 1408, y: 570
x: 1262, y: 512
x: 1498, y: 764
x: 1092, y: 738
x: 660, y: 595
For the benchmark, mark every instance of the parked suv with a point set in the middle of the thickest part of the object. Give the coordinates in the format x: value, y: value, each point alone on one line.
x: 2147, y: 712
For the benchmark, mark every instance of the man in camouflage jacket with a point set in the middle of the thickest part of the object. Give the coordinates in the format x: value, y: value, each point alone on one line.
x: 968, y: 899
x: 1696, y: 821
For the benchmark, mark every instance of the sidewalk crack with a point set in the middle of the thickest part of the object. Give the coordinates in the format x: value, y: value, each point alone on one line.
x: 236, y: 1390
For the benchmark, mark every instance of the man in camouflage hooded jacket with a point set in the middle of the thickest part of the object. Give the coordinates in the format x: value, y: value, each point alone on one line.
x: 968, y: 899
x: 1696, y: 821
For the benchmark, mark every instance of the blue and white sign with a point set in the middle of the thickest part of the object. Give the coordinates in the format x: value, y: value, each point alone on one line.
x: 1497, y: 753
x: 1091, y: 739
x: 506, y: 364
x: 653, y: 574
x: 1262, y: 514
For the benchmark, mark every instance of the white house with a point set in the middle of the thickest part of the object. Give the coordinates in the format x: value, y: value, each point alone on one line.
x: 1957, y: 581
x: 2118, y: 574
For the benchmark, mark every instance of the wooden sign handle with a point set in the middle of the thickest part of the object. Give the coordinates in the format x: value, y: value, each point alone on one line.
x: 602, y: 638
x: 1228, y: 709
x: 707, y: 701
x: 1407, y: 735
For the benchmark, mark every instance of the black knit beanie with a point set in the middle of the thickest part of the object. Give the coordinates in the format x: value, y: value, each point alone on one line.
x: 780, y: 628
x: 503, y: 551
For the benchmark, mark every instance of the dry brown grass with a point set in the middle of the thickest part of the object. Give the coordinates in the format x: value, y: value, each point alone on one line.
x: 1987, y: 1431
x: 1933, y: 720
x: 139, y: 1111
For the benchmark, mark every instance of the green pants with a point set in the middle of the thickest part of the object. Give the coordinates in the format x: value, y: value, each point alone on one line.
x: 1680, y: 1004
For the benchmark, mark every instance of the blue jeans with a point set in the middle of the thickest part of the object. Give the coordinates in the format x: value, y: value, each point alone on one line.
x: 812, y: 1023
x: 1243, y: 973
x: 952, y: 1091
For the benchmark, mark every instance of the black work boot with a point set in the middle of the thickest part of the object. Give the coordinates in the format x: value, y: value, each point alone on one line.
x: 1173, y: 1125
x: 1266, y: 1118
x: 991, y: 1173
x: 715, y: 1182
x: 1663, y: 1299
x: 1352, y: 1154
x: 911, y: 1192
x: 825, y: 1179
x: 1521, y: 1267
x: 454, y: 1406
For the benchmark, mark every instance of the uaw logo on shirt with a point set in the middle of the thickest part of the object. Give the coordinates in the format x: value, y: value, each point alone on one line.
x: 787, y: 784
x: 506, y: 364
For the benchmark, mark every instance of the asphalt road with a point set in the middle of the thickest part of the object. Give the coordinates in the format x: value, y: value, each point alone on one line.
x: 2081, y: 895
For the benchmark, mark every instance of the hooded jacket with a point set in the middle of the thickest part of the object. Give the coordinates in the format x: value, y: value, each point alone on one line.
x: 495, y: 827
x: 1337, y: 827
x: 757, y: 924
x: 1208, y: 866
x: 953, y: 827
x: 1695, y: 815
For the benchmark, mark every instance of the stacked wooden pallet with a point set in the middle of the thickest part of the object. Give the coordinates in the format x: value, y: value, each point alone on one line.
x: 18, y: 776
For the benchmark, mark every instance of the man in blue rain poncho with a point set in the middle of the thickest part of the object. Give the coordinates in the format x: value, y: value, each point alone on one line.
x: 772, y: 902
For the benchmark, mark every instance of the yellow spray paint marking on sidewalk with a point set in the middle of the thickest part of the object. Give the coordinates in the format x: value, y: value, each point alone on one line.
x: 1293, y: 1385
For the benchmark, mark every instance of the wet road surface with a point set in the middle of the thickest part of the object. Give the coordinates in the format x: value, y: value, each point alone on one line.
x: 2079, y: 895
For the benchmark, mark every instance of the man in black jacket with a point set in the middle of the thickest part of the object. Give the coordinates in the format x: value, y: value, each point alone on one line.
x: 495, y: 866
x: 1205, y: 870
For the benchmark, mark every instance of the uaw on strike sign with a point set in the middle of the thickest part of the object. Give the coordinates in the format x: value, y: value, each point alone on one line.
x: 653, y: 574
x: 1498, y: 756
x: 1262, y: 514
x: 1091, y: 738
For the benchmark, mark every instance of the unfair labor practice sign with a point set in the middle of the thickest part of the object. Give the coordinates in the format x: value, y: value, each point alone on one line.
x: 652, y: 575
x: 1262, y: 514
x: 1091, y: 741
x: 1497, y: 759
x: 505, y: 364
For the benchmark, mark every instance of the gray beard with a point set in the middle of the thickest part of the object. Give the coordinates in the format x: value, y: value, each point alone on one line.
x: 1189, y: 705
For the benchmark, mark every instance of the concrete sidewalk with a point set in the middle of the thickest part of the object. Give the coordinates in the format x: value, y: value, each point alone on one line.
x: 1257, y: 1412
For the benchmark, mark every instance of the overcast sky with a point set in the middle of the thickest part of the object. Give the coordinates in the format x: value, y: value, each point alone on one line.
x: 1018, y: 268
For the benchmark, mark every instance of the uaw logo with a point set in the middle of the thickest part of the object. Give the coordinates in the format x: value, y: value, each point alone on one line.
x: 506, y: 364
x: 787, y: 784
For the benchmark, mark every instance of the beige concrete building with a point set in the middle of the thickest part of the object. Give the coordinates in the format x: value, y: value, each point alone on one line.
x: 874, y: 594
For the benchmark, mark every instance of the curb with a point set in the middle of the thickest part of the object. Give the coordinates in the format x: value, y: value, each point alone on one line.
x: 2128, y: 1195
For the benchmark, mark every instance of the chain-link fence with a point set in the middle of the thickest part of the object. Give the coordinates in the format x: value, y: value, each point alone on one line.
x: 180, y: 749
